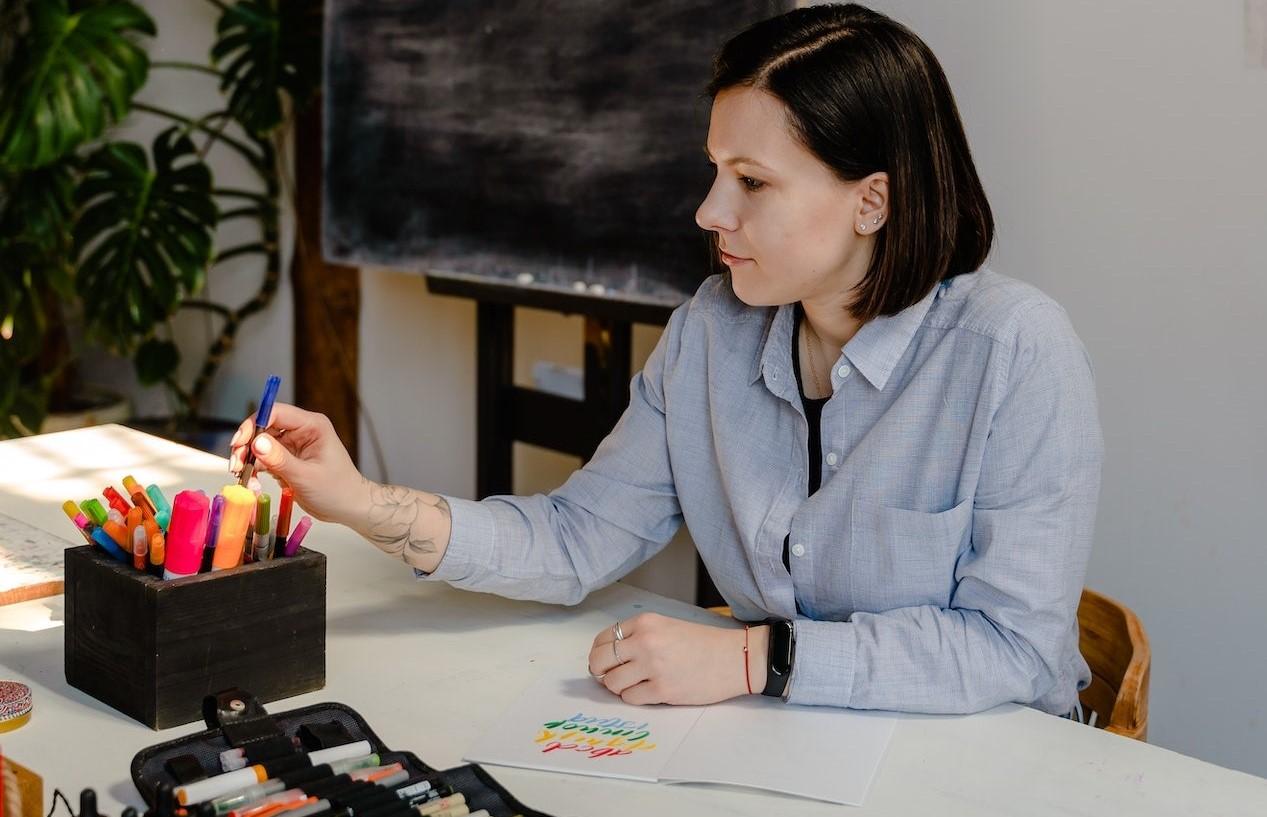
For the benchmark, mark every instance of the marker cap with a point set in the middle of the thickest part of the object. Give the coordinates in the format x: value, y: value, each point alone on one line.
x: 262, y: 505
x: 156, y: 496
x: 296, y: 537
x: 239, y: 511
x: 186, y: 534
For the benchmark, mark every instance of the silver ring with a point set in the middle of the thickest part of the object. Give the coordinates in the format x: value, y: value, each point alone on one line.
x: 616, y: 653
x: 596, y: 677
x: 619, y: 633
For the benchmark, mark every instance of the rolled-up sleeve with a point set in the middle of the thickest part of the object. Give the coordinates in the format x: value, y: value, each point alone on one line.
x: 610, y: 516
x: 1006, y: 635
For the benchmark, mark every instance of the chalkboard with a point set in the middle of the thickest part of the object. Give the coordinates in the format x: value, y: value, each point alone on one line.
x: 552, y: 145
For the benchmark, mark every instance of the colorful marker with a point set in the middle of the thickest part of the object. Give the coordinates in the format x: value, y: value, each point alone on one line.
x: 160, y: 502
x: 139, y: 497
x: 259, y: 539
x: 270, y: 547
x: 136, y: 520
x: 186, y: 536
x: 283, y: 516
x: 158, y: 548
x: 107, y: 544
x: 213, y: 531
x: 117, y: 502
x: 235, y: 523
x: 95, y: 511
x: 261, y: 423
x: 119, y: 533
x: 231, y: 782
x: 297, y: 538
x: 77, y: 516
x: 245, y: 796
x: 140, y: 547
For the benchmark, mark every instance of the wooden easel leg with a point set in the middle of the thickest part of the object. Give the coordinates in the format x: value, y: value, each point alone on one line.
x: 495, y: 352
x: 608, y: 349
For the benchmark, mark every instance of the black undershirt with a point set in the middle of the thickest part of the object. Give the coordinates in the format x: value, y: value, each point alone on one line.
x: 814, y: 417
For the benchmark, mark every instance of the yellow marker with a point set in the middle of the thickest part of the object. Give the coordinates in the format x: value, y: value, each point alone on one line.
x: 239, y: 513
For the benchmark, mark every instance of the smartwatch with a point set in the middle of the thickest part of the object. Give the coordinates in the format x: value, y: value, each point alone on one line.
x: 780, y: 658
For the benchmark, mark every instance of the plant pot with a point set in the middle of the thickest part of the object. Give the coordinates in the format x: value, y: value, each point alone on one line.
x: 208, y: 434
x: 93, y: 407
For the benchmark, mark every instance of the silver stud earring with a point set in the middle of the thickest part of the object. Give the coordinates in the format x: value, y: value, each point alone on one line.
x: 876, y: 220
x: 862, y: 227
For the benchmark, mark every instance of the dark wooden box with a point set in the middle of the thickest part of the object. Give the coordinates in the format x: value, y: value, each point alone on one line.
x: 153, y: 649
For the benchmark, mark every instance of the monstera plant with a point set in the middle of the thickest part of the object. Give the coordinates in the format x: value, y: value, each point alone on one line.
x: 113, y: 238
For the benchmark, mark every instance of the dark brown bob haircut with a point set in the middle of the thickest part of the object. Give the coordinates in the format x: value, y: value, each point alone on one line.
x: 864, y: 94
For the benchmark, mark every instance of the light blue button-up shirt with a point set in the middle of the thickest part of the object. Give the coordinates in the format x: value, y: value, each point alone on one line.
x: 939, y: 566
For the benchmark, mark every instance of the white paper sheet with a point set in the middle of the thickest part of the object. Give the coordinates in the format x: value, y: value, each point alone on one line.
x: 574, y: 725
x: 810, y: 751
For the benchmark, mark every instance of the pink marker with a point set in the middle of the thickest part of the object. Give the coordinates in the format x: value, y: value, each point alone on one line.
x: 186, y: 534
x: 296, y: 537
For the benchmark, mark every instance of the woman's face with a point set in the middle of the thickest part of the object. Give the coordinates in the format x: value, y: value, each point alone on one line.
x: 787, y: 226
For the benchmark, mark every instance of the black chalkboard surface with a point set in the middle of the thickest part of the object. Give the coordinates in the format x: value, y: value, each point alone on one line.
x: 553, y: 145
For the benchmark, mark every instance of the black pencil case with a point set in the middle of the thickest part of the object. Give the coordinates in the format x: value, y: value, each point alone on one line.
x: 235, y: 720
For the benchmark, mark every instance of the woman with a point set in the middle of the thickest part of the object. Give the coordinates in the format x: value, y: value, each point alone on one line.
x: 888, y: 456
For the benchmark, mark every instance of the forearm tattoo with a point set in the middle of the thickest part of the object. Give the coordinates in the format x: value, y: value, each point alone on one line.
x: 398, y: 522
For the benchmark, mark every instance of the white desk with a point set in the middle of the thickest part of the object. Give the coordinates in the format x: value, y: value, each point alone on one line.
x: 1008, y: 761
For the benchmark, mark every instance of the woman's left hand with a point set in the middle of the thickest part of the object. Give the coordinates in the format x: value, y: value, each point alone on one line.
x: 667, y: 660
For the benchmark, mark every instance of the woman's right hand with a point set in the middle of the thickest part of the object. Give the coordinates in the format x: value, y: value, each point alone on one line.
x: 301, y: 450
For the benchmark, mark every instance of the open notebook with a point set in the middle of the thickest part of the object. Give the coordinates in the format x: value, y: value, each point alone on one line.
x: 574, y: 725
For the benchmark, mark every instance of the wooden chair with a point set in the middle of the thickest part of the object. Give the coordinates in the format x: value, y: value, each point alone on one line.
x: 1113, y: 642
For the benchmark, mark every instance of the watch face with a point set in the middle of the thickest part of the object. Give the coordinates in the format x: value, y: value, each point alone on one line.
x: 781, y: 648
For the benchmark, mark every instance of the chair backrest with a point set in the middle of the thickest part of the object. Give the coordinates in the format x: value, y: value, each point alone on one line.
x: 1113, y: 642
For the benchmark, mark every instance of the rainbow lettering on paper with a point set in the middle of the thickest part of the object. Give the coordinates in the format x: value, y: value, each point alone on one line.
x: 596, y: 737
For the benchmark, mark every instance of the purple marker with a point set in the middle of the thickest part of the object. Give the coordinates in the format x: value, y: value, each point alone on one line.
x: 296, y: 537
x: 213, y: 530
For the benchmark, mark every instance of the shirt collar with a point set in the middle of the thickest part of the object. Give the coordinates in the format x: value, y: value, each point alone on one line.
x: 874, y: 350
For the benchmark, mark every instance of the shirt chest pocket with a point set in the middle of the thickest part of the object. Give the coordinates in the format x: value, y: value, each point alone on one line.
x: 904, y: 558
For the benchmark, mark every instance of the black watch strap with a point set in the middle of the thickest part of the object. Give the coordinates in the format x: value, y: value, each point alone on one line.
x: 780, y: 657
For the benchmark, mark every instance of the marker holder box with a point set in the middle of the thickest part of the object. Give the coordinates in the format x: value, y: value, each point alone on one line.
x: 154, y: 648
x: 236, y: 720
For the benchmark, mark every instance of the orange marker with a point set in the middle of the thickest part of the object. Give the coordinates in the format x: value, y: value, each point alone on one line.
x: 136, y: 519
x: 151, y: 526
x: 158, y: 550
x: 119, y: 534
x: 235, y: 522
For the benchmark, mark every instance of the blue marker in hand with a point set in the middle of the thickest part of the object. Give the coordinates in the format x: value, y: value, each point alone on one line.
x: 261, y: 423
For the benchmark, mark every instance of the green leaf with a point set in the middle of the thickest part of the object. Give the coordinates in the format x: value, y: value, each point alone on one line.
x: 156, y: 360
x: 71, y: 75
x: 24, y: 399
x: 36, y: 209
x: 266, y: 48
x: 144, y: 235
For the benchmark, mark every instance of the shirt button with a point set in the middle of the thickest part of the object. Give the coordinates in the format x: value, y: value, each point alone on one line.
x: 843, y: 371
x: 831, y: 458
x: 798, y: 549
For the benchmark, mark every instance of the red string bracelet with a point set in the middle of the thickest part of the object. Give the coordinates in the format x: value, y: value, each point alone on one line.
x: 746, y: 678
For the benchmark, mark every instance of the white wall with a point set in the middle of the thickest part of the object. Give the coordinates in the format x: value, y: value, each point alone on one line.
x: 1122, y: 146
x: 1124, y: 149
